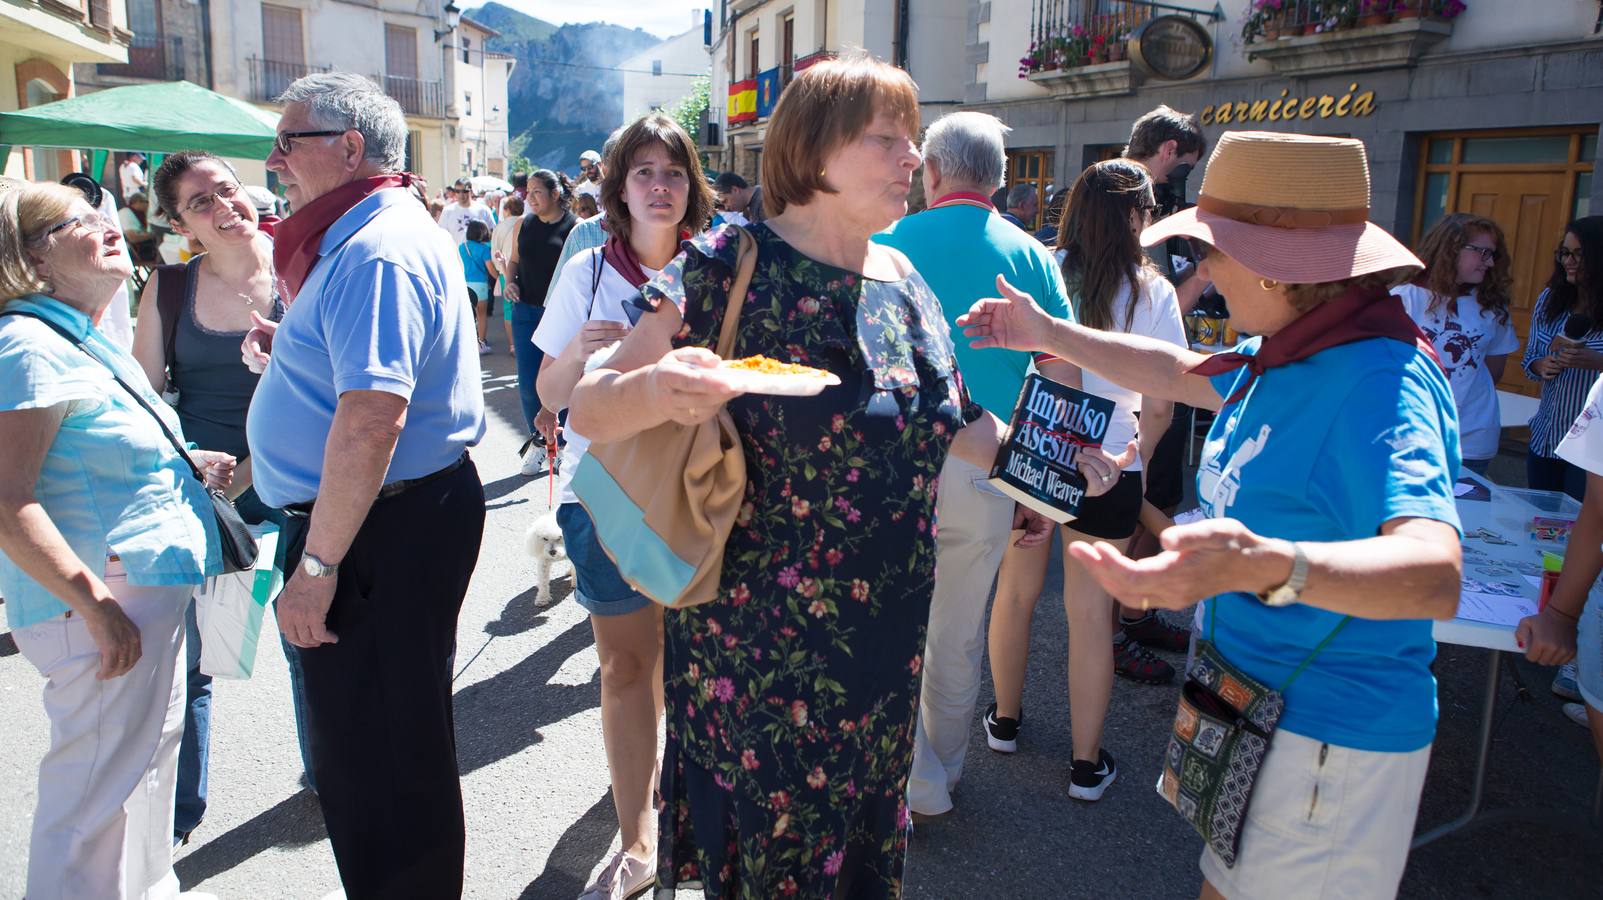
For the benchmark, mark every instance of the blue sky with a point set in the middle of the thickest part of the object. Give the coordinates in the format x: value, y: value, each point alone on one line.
x: 664, y: 18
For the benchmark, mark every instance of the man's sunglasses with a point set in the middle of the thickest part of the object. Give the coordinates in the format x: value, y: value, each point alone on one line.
x: 282, y: 142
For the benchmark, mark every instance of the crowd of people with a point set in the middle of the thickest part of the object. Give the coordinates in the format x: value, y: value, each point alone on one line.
x: 329, y: 373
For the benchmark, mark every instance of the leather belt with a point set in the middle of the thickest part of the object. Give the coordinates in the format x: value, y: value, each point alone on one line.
x: 394, y: 488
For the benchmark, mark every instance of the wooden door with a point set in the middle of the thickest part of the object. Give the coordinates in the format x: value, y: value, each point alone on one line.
x: 1532, y: 208
x: 1032, y: 167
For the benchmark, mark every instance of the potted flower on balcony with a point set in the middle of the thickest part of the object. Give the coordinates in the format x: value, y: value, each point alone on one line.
x: 1119, y: 47
x: 1448, y: 9
x: 1263, y: 21
x: 1376, y: 12
x: 1099, y: 49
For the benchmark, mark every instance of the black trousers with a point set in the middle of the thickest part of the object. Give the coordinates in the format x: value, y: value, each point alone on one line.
x: 382, y: 740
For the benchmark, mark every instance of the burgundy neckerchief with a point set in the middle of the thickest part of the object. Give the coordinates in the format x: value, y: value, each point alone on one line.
x: 1355, y: 316
x: 297, y: 239
x: 964, y: 198
x: 621, y: 257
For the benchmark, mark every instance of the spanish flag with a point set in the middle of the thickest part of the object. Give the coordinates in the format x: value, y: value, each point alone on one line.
x: 743, y: 101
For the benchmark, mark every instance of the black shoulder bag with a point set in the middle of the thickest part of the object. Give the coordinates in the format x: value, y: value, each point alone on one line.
x: 238, y: 544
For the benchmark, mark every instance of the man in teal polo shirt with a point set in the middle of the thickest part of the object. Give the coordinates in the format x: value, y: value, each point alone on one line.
x: 960, y: 244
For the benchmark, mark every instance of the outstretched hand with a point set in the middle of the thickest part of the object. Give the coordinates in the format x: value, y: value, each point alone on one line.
x: 1013, y: 321
x: 1199, y: 560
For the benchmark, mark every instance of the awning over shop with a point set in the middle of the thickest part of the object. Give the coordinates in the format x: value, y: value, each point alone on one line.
x: 151, y: 118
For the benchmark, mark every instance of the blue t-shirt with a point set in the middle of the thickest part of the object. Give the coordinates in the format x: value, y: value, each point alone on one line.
x: 1329, y: 449
x: 960, y: 249
x: 384, y: 309
x: 475, y: 256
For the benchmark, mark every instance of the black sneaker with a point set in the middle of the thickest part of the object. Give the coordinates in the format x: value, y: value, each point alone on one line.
x: 1153, y: 630
x: 1002, y: 733
x: 1087, y: 779
x: 1138, y: 664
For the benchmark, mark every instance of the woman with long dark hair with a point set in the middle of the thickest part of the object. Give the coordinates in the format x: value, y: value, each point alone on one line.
x: 1114, y: 287
x: 536, y: 247
x: 1460, y: 302
x: 1567, y: 366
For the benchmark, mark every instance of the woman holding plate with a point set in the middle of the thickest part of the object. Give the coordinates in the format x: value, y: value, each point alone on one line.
x: 1332, y: 539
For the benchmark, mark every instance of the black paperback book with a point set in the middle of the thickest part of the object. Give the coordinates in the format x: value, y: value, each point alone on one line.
x: 1049, y: 426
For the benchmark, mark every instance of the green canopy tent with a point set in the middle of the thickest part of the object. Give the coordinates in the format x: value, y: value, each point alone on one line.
x: 154, y: 119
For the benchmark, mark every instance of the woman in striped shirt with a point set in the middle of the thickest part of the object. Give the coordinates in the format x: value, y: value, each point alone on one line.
x: 1567, y: 368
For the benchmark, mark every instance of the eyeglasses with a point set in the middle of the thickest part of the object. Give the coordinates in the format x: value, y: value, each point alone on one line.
x: 1487, y: 254
x: 1565, y: 253
x: 282, y: 142
x: 93, y: 221
x: 202, y: 204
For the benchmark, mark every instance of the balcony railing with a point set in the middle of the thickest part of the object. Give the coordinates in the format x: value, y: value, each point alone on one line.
x: 1068, y: 34
x: 150, y: 57
x: 269, y: 77
x: 417, y: 97
x: 1270, y: 19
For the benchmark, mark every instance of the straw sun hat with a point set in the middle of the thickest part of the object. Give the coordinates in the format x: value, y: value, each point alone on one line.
x: 1291, y: 207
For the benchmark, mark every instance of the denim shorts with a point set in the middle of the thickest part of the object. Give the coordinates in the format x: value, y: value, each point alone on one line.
x: 1589, y: 653
x: 597, y: 585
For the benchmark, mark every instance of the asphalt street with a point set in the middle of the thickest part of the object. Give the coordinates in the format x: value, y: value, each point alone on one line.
x: 540, y: 818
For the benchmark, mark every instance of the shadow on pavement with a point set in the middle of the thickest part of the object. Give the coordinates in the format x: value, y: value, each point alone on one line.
x: 294, y: 821
x: 502, y: 714
x: 520, y: 614
x: 8, y: 645
x: 568, y: 868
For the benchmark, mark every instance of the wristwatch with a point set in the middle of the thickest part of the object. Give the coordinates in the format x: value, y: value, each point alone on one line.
x: 1287, y: 594
x: 316, y: 568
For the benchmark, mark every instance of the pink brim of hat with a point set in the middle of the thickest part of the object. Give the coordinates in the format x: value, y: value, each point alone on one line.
x: 1290, y: 255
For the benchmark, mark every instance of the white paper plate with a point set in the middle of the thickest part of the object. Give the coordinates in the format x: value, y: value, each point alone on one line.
x: 777, y: 385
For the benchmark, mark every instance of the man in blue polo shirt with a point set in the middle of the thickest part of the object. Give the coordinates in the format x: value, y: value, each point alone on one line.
x: 959, y: 245
x: 359, y: 429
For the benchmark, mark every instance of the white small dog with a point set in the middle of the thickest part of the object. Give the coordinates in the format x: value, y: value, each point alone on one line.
x: 543, y: 540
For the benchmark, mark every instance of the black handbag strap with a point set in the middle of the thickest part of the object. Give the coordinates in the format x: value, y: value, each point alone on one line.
x: 172, y: 293
x: 183, y: 452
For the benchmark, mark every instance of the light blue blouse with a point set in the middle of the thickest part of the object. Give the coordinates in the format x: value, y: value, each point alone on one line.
x: 111, y: 482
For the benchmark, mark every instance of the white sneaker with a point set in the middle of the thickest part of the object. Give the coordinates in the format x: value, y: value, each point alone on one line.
x: 484, y: 347
x: 533, y: 461
x: 623, y: 876
x: 1564, y: 683
x: 1576, y: 712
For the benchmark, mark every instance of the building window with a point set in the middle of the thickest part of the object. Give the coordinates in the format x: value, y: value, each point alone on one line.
x: 656, y: 67
x: 751, y: 58
x: 787, y: 50
x: 414, y: 151
x: 1032, y: 167
x: 1530, y: 182
x: 283, y: 48
x: 467, y: 43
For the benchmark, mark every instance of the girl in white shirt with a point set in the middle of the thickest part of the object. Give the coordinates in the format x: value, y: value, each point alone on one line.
x: 1115, y: 288
x: 1460, y: 302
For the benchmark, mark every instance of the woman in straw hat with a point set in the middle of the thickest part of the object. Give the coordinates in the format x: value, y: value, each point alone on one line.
x: 1327, y: 477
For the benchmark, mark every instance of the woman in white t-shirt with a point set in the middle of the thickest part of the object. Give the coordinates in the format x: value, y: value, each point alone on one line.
x: 653, y: 192
x: 1460, y: 301
x: 1115, y: 288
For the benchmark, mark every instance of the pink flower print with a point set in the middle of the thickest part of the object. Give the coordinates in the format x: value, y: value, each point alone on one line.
x: 824, y: 444
x: 740, y: 596
x: 798, y: 713
x: 902, y: 817
x: 859, y: 590
x: 922, y: 525
x: 901, y: 423
x: 693, y: 673
x: 730, y: 641
x: 939, y: 428
x: 723, y: 783
x: 789, y: 577
x: 834, y: 557
x: 818, y: 609
x: 707, y: 690
x: 916, y: 664
x: 842, y: 504
x: 832, y: 863
x: 724, y: 690
x: 779, y: 799
x: 809, y: 587
x: 853, y: 475
x: 788, y: 631
x: 690, y: 710
x: 748, y: 760
x: 714, y: 628
x: 788, y: 887
x: 799, y: 507
x: 851, y: 788
x: 918, y: 483
x: 837, y: 423
x: 808, y: 306
x: 743, y: 518
x: 782, y: 825
x: 816, y: 779
x: 854, y: 515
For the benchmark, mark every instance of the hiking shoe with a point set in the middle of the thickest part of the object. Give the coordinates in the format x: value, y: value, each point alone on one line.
x: 1153, y: 630
x: 1002, y: 733
x: 1564, y: 683
x: 1138, y: 664
x: 533, y: 452
x: 1576, y: 712
x: 1087, y: 779
x: 622, y: 877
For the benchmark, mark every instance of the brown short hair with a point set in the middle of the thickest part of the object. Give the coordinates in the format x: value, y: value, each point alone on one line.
x: 1153, y: 130
x: 1304, y: 297
x: 820, y: 112
x: 653, y: 128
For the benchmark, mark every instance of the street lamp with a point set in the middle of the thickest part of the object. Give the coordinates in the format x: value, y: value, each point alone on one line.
x: 453, y: 18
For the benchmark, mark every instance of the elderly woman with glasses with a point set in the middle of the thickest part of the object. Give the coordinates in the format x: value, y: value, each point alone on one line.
x: 104, y: 535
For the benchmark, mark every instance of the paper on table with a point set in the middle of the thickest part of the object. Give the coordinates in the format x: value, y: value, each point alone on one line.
x: 1462, y: 488
x: 1494, y: 609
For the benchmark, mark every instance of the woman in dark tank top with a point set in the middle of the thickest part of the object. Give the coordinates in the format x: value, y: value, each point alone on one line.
x: 192, y: 319
x: 537, y: 241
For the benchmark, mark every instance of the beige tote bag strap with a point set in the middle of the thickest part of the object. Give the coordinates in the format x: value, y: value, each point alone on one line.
x: 744, y: 264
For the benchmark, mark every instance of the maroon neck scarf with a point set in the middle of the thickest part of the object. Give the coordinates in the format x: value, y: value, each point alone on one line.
x: 1355, y: 316
x: 621, y: 257
x: 296, y: 240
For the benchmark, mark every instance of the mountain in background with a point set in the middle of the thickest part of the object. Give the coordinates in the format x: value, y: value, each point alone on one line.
x: 565, y: 96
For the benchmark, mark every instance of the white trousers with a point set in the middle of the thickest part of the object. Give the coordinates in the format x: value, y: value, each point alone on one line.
x: 973, y: 524
x: 104, y: 824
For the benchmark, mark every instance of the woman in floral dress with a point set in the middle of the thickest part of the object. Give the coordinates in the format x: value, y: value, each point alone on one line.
x: 791, y: 700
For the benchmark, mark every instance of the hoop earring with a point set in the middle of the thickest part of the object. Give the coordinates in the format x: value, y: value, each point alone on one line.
x: 1268, y: 284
